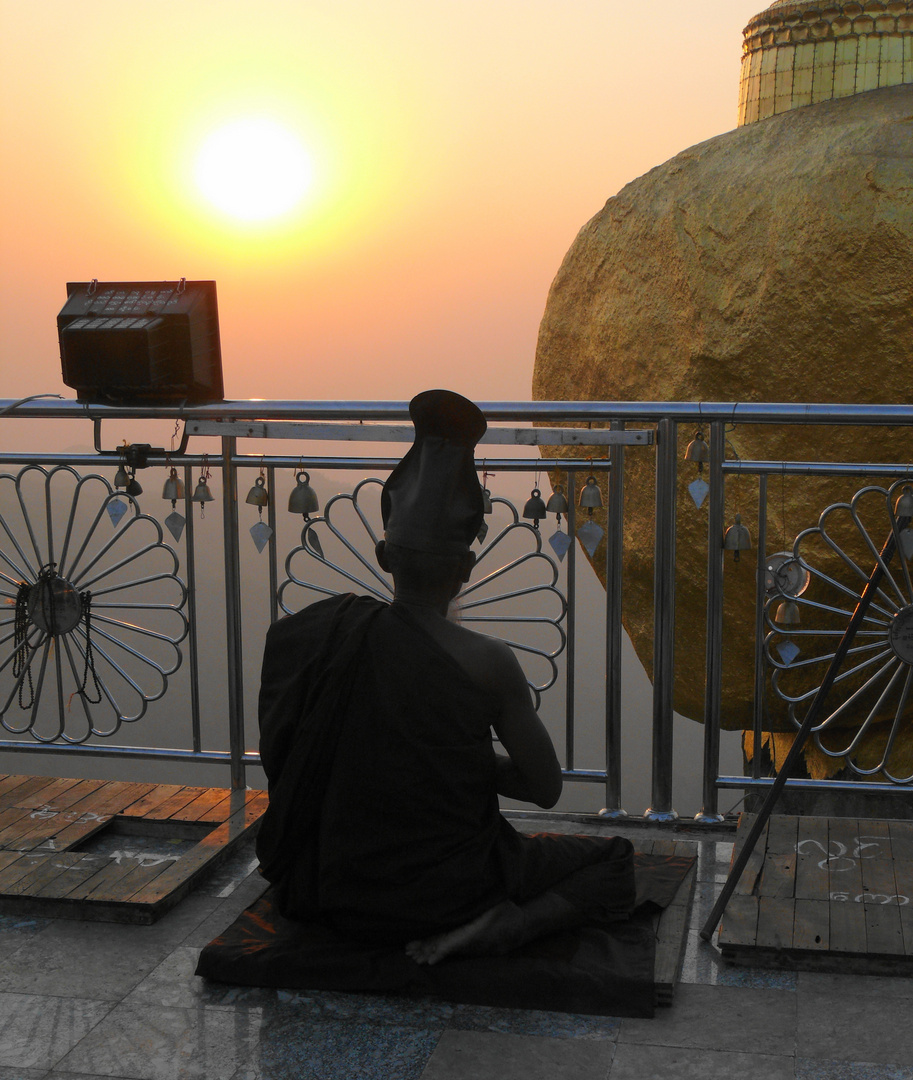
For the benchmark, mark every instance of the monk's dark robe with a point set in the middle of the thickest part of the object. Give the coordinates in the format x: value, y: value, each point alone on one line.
x: 383, y: 819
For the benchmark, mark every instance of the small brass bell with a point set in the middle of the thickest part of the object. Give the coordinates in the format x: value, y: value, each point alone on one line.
x: 303, y: 499
x: 903, y: 508
x: 134, y: 487
x: 201, y: 493
x: 788, y: 613
x: 535, y: 507
x: 737, y: 538
x: 486, y: 500
x: 174, y: 487
x: 121, y: 477
x: 557, y: 502
x: 590, y: 495
x: 698, y: 450
x: 258, y: 495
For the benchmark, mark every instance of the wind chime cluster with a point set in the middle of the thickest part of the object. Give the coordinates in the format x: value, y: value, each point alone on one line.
x: 303, y: 500
x: 589, y: 534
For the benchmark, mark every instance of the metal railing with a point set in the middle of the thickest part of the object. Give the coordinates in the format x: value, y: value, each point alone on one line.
x: 44, y: 614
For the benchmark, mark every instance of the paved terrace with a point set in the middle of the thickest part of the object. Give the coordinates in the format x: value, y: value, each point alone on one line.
x: 80, y: 1000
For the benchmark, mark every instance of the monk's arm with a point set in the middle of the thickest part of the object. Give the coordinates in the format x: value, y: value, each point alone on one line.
x: 530, y: 771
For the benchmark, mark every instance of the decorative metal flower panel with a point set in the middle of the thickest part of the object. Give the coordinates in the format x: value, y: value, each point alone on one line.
x: 513, y: 590
x: 94, y: 606
x: 868, y: 715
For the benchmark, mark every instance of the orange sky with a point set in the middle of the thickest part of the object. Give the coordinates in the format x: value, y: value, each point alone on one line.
x: 457, y: 149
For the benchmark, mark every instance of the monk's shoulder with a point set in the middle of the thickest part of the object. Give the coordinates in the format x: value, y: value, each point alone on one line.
x: 489, y: 659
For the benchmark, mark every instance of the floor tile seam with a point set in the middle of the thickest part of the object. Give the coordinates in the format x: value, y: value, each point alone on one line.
x: 85, y: 998
x: 113, y: 1005
x: 671, y: 1043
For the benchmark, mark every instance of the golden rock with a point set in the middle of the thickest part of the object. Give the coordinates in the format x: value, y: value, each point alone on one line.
x: 771, y: 263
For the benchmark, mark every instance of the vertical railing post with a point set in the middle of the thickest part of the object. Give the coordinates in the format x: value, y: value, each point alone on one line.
x: 571, y: 625
x: 660, y: 808
x: 759, y: 672
x: 273, y: 548
x: 713, y: 686
x: 233, y: 611
x: 192, y: 612
x: 613, y: 629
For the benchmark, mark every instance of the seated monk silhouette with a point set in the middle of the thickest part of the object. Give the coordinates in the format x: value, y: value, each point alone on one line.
x: 376, y: 724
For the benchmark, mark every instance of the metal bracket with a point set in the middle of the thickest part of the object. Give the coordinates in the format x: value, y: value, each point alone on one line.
x: 136, y: 451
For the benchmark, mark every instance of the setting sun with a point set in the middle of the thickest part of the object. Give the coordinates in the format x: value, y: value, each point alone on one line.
x: 253, y: 169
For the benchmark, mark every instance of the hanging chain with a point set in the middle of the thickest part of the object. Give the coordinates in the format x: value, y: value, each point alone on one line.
x: 22, y: 662
x: 86, y: 598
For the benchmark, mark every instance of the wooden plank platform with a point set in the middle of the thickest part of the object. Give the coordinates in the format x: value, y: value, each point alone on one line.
x: 113, y: 851
x: 671, y: 925
x: 824, y: 894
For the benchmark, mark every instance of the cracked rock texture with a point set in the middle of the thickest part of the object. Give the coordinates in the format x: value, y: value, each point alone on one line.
x: 772, y: 263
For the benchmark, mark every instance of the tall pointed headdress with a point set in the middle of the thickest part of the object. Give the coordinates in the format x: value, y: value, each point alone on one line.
x: 432, y: 501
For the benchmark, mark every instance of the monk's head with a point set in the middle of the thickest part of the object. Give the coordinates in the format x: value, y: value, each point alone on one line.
x: 432, y: 501
x: 425, y: 573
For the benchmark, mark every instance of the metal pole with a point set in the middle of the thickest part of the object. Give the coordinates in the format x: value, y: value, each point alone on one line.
x: 811, y: 718
x: 613, y: 609
x: 759, y: 688
x: 192, y: 613
x: 713, y: 687
x: 571, y: 625
x: 233, y: 612
x: 273, y: 547
x: 664, y: 621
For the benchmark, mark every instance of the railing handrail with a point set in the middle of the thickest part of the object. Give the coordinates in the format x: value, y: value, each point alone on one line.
x: 579, y: 411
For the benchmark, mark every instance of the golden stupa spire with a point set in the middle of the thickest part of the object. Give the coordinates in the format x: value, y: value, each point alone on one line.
x: 799, y: 52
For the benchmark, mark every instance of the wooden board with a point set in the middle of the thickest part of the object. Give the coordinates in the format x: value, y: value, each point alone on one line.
x: 671, y: 925
x: 824, y: 894
x: 48, y: 825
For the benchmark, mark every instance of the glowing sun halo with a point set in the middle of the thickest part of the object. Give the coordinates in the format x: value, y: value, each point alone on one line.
x: 253, y: 169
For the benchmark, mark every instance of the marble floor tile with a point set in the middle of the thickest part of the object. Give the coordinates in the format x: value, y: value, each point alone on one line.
x: 846, y: 1023
x: 704, y: 964
x: 807, y: 1069
x: 146, y: 1042
x: 173, y: 984
x: 482, y: 1055
x: 76, y: 959
x: 552, y: 1025
x: 338, y: 1050
x: 887, y: 988
x: 721, y: 1018
x: 55, y: 1075
x: 9, y: 1073
x: 713, y: 860
x: 668, y: 1062
x: 37, y: 1031
x: 663, y: 1063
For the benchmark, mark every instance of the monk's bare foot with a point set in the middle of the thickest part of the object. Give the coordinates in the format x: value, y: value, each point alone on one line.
x: 494, y: 931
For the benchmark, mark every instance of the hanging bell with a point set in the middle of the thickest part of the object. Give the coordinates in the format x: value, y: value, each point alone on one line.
x: 698, y: 450
x: 174, y: 487
x: 788, y: 613
x: 590, y: 495
x: 201, y: 493
x: 303, y: 499
x: 134, y: 487
x: 121, y: 477
x: 486, y: 500
x: 535, y: 507
x: 903, y: 508
x: 258, y: 495
x: 737, y: 538
x: 557, y: 502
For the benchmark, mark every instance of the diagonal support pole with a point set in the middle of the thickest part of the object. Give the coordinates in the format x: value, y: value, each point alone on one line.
x: 811, y: 718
